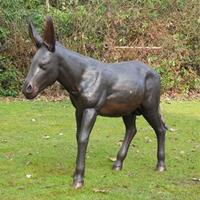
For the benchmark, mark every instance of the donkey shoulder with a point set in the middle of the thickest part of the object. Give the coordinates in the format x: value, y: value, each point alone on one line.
x: 92, y: 85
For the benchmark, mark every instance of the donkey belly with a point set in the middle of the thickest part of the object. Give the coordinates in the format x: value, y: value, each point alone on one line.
x: 117, y: 105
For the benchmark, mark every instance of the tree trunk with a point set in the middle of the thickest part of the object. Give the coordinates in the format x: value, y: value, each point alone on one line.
x: 47, y: 5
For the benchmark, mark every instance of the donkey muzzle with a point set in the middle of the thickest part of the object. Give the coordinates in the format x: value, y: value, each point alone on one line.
x: 29, y: 91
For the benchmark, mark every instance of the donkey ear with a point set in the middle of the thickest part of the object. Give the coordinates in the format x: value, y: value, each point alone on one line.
x: 34, y: 35
x: 49, y: 35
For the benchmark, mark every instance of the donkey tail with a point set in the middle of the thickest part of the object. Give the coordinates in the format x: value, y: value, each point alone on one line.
x: 162, y: 120
x: 165, y: 126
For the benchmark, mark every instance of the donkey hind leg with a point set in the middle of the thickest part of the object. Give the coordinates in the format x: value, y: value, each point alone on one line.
x: 154, y: 118
x: 129, y: 122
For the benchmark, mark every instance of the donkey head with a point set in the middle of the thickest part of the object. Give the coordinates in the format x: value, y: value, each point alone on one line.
x: 44, y: 70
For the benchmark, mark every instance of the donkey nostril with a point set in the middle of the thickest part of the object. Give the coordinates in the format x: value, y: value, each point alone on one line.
x: 29, y: 89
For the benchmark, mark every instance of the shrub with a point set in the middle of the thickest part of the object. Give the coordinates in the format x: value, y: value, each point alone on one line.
x: 95, y: 28
x: 10, y: 83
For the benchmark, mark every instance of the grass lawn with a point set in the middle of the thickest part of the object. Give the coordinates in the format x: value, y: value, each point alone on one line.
x: 38, y: 150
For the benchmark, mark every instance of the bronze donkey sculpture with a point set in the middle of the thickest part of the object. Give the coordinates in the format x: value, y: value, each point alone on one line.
x: 124, y: 89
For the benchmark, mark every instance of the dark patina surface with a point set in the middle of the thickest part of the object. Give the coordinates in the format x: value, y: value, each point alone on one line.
x: 124, y: 89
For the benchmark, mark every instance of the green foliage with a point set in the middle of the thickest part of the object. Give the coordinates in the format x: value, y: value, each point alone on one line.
x: 180, y: 80
x: 10, y: 83
x: 65, y: 22
x: 3, y: 33
x: 95, y: 28
x: 166, y: 80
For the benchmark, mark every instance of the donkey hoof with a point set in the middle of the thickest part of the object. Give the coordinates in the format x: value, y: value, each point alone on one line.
x: 77, y: 184
x: 160, y: 168
x: 117, y: 168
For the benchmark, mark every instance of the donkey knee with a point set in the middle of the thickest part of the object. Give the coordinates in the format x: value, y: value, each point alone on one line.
x: 132, y: 132
x: 160, y: 131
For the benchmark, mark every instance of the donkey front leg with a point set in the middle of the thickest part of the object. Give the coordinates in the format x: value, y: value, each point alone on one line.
x: 85, y: 121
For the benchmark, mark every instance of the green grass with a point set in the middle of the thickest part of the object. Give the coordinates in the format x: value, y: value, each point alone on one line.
x: 25, y: 149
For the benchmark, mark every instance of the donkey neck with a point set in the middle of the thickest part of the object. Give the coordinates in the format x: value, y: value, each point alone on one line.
x: 72, y: 66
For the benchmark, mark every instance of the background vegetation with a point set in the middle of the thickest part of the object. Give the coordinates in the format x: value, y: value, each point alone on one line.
x: 162, y: 33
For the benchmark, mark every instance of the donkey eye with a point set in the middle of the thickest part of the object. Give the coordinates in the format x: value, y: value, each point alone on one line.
x: 42, y: 65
